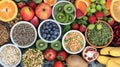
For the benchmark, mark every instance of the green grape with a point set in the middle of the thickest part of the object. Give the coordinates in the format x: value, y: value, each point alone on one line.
x: 98, y: 8
x: 88, y: 9
x: 85, y: 18
x: 105, y: 18
x: 102, y: 1
x: 93, y: 5
x: 89, y: 14
x: 103, y: 7
x: 93, y: 10
x: 105, y: 12
x: 92, y: 0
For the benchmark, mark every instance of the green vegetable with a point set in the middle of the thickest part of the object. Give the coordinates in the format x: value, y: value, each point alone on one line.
x: 66, y: 28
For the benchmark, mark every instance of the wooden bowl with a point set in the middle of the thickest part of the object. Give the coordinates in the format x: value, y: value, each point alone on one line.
x: 104, y: 44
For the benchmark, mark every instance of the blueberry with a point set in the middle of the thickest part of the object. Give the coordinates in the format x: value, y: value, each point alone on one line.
x: 50, y: 26
x: 54, y: 29
x: 48, y: 35
x: 51, y: 32
x: 47, y: 38
x: 55, y: 33
x: 57, y: 30
x: 46, y: 31
x: 50, y: 65
x: 51, y: 39
x: 44, y: 36
x: 42, y: 31
x: 47, y: 23
x: 49, y: 29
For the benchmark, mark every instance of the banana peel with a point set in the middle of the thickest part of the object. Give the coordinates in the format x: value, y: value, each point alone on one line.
x: 106, y: 50
x: 103, y: 59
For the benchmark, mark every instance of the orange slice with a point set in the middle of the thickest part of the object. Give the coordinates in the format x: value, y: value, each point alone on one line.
x: 82, y: 5
x: 8, y: 10
x: 50, y: 2
x: 115, y: 10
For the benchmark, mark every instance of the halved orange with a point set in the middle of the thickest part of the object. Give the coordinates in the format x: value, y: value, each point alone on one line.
x: 82, y: 5
x: 50, y: 2
x: 8, y: 10
x: 115, y: 10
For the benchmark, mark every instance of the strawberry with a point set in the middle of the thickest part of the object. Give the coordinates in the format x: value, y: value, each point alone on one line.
x: 79, y: 13
x: 21, y: 4
x: 62, y: 55
x: 35, y: 21
x: 99, y: 15
x: 58, y: 64
x: 32, y: 4
x: 92, y: 19
x: 110, y: 21
x: 75, y: 26
x: 82, y: 28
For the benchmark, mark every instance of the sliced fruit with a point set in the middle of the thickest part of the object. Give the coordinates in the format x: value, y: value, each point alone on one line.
x: 70, y: 17
x: 56, y: 45
x: 82, y: 5
x: 108, y: 4
x: 8, y: 10
x: 60, y: 17
x: 41, y: 45
x: 59, y: 8
x: 50, y: 2
x: 115, y: 10
x: 69, y: 8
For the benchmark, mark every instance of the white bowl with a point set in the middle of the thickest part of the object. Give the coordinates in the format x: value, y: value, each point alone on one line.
x: 40, y: 33
x: 1, y: 48
x: 53, y: 12
x: 70, y: 52
x: 23, y: 22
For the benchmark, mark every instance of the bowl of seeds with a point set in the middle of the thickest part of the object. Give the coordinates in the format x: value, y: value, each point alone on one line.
x: 23, y: 34
x: 10, y: 55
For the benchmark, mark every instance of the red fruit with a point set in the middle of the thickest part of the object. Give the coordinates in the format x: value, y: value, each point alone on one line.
x: 27, y: 13
x: 90, y: 54
x: 58, y: 64
x: 32, y: 4
x: 43, y: 11
x: 21, y: 4
x: 111, y: 21
x: 99, y: 15
x: 75, y: 26
x: 50, y: 54
x: 79, y: 13
x: 62, y: 55
x: 82, y: 28
x: 35, y: 21
x: 92, y: 19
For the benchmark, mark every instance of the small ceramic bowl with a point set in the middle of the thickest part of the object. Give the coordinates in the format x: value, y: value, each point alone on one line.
x: 19, y: 23
x: 54, y: 13
x: 40, y: 29
x: 7, y: 45
x: 82, y: 39
x: 87, y: 39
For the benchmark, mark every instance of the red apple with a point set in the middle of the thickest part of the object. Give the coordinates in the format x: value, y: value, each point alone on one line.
x: 35, y: 21
x: 43, y: 11
x: 27, y: 13
x: 50, y: 54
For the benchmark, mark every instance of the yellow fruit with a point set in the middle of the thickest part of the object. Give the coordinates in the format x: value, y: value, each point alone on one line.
x: 50, y: 2
x: 117, y: 60
x: 111, y: 63
x: 103, y: 59
x: 8, y: 10
x: 115, y: 10
x: 115, y: 52
x: 106, y: 50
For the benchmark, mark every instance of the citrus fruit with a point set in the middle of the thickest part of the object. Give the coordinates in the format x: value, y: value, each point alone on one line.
x: 8, y: 10
x: 115, y: 10
x: 108, y: 4
x: 50, y: 2
x: 82, y: 5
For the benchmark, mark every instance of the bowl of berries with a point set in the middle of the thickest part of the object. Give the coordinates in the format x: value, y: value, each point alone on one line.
x: 49, y: 30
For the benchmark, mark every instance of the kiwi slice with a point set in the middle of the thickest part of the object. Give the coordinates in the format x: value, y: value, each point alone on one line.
x: 59, y: 8
x: 41, y: 45
x: 56, y: 45
x: 69, y: 8
x: 70, y: 17
x: 60, y: 17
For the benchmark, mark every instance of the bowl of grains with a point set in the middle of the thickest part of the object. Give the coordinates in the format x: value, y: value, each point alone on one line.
x: 23, y: 34
x: 73, y: 42
x: 4, y: 34
x: 10, y: 55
